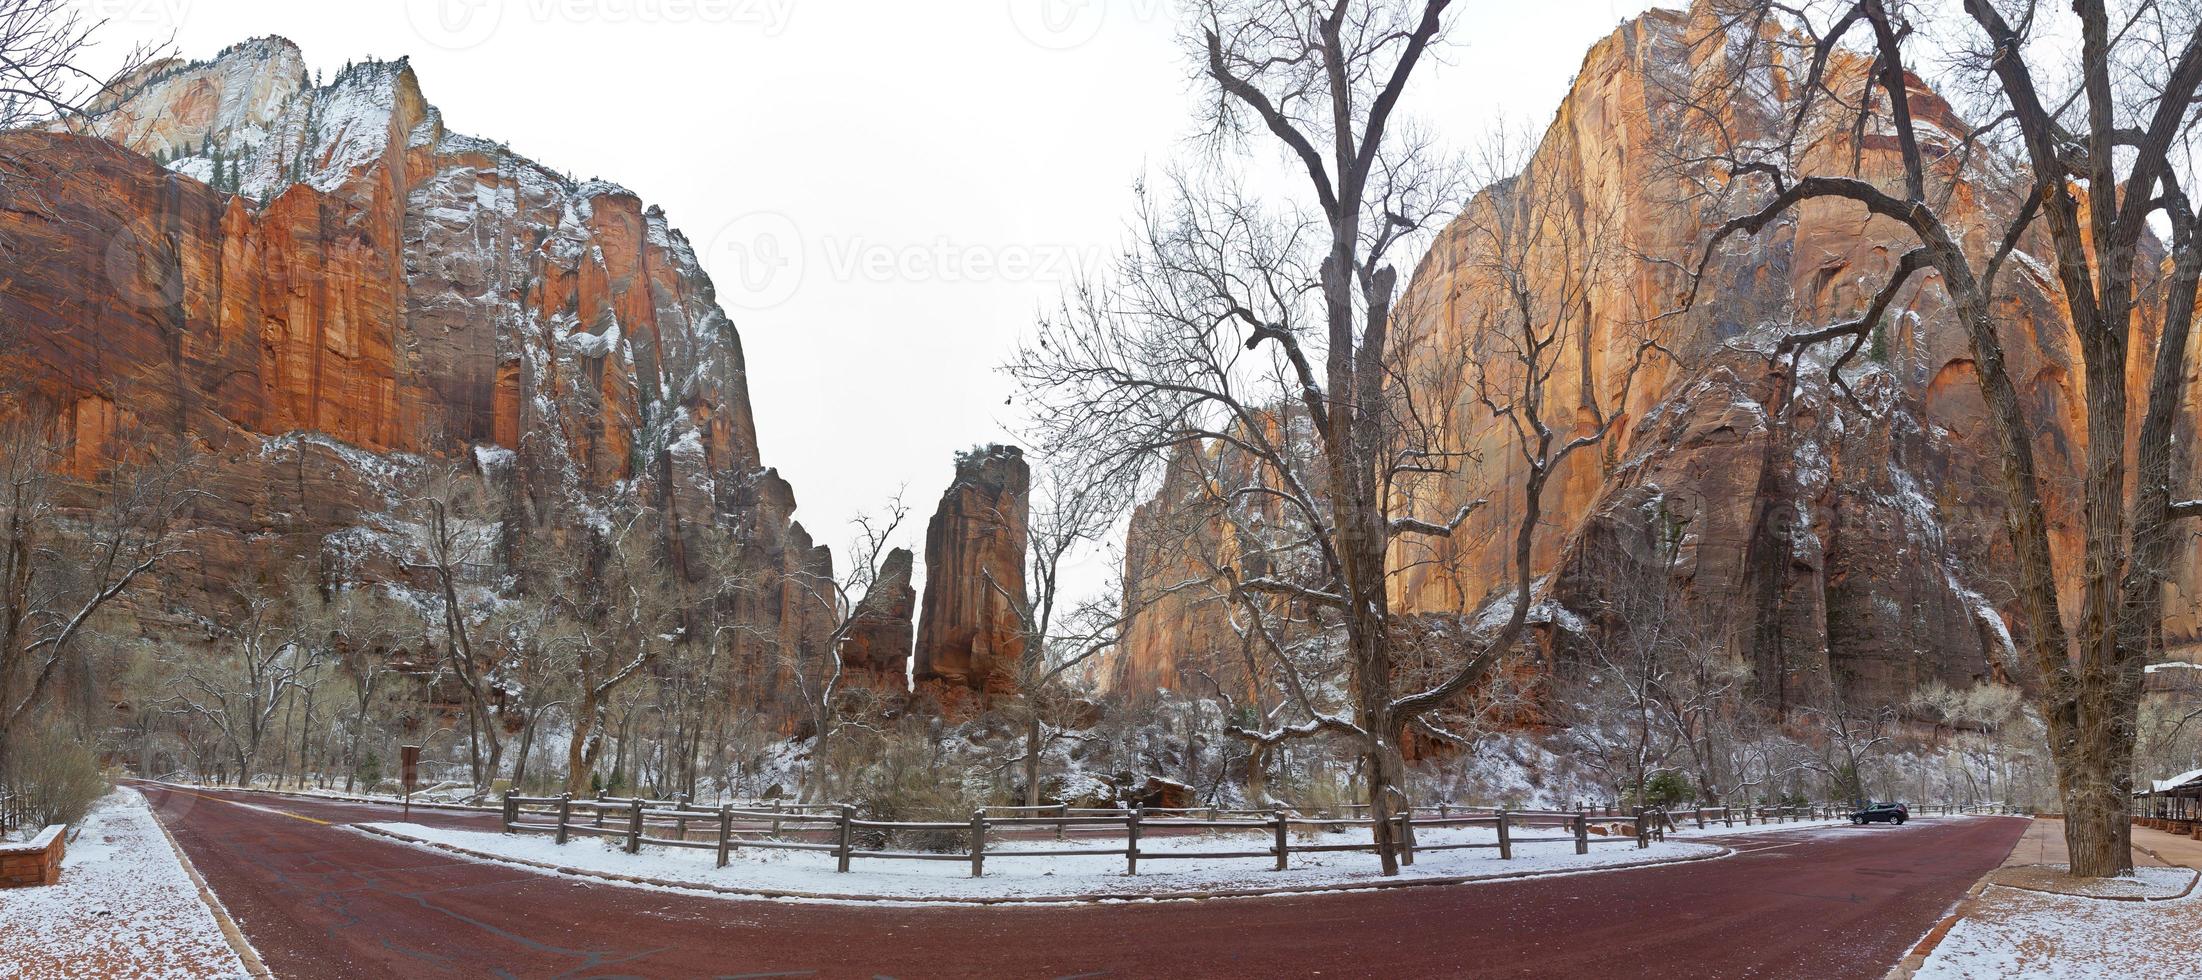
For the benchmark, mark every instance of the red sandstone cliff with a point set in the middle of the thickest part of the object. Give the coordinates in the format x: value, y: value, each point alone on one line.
x: 367, y: 299
x: 876, y: 648
x: 969, y: 635
x: 1839, y: 546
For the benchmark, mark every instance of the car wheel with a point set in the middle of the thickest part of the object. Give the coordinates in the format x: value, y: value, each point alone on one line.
x: 1899, y: 821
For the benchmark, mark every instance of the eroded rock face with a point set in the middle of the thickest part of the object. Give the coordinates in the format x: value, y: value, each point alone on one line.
x: 969, y: 635
x: 333, y: 297
x: 1842, y: 546
x: 876, y: 648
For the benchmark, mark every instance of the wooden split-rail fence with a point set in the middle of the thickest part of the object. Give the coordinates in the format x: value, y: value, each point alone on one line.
x: 835, y: 828
x: 1022, y: 832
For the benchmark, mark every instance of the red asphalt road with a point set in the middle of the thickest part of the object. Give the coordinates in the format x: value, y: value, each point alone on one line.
x: 320, y: 901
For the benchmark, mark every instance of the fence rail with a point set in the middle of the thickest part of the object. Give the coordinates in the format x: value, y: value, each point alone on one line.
x: 836, y: 829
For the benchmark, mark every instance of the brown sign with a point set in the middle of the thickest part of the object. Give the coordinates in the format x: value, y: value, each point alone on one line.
x: 409, y: 764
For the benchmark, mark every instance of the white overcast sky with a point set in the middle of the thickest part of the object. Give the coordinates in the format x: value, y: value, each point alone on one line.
x: 981, y: 150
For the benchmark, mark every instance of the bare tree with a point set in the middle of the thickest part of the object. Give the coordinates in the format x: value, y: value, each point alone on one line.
x: 2103, y: 128
x: 1271, y: 331
x: 363, y: 628
x: 452, y: 547
x: 258, y: 659
x: 62, y: 565
x: 44, y: 46
x: 609, y: 612
x: 821, y: 676
x: 1075, y: 507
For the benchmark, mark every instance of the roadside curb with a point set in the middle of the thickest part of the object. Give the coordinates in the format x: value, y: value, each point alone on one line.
x: 1081, y: 899
x: 1912, y: 961
x: 2193, y: 877
x: 230, y: 932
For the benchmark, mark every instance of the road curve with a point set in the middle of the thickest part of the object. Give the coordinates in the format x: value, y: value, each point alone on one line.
x: 320, y: 901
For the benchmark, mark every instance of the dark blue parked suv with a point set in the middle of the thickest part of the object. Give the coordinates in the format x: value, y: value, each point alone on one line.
x: 1895, y: 813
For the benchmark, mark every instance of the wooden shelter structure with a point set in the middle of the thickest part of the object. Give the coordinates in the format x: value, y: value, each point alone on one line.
x: 2172, y: 805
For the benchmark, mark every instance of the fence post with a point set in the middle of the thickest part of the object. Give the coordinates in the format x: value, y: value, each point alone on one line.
x: 1642, y: 840
x: 680, y: 823
x: 565, y: 810
x: 978, y: 842
x: 600, y: 808
x: 1283, y: 845
x: 776, y: 819
x: 1506, y: 838
x: 1582, y: 832
x: 726, y: 831
x: 1062, y: 811
x: 512, y: 812
x: 842, y: 851
x: 634, y: 826
x: 1131, y: 852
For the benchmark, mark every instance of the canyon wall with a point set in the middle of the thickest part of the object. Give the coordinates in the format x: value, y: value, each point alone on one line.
x: 1844, y: 544
x: 338, y: 303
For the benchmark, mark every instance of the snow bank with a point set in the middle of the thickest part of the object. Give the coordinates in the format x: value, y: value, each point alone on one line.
x: 2013, y: 933
x: 1035, y: 878
x: 124, y: 907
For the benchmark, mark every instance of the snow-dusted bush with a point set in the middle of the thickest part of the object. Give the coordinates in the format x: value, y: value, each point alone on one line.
x: 52, y: 777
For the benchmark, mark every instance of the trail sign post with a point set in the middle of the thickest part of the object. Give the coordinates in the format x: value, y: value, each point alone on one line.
x: 409, y: 766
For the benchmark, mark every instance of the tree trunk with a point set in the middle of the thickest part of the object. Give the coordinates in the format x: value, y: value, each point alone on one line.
x: 1382, y: 765
x: 2098, y: 834
x: 579, y: 761
x: 520, y: 758
x: 1032, y: 759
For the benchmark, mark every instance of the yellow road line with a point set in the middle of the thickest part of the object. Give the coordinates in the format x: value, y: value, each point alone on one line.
x: 250, y: 806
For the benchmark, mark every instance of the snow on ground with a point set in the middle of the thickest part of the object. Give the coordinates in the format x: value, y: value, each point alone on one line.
x: 1009, y: 877
x: 1687, y: 827
x: 2015, y: 933
x: 124, y: 908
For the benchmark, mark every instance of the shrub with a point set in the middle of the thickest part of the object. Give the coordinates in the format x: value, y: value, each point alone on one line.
x: 1666, y: 789
x: 51, y: 778
x: 910, y: 781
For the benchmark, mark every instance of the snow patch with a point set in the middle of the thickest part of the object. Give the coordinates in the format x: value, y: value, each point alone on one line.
x: 124, y: 907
